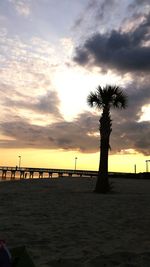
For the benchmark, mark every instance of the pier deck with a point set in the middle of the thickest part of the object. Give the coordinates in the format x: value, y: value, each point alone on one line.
x: 28, y: 172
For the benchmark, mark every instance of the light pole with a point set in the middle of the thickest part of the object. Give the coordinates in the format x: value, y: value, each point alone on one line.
x: 75, y: 163
x: 134, y: 168
x: 19, y: 161
x: 147, y: 164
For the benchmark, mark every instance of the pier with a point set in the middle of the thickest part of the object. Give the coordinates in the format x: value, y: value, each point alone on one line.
x: 30, y: 173
x: 25, y: 172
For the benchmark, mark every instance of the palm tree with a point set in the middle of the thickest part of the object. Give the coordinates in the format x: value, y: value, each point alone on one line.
x: 105, y: 98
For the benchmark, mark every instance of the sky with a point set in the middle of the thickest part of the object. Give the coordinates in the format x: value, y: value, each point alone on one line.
x: 53, y: 53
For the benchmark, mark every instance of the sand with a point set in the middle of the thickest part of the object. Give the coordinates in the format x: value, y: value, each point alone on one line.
x: 63, y: 223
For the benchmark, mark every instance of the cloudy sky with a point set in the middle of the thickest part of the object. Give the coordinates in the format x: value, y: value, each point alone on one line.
x: 52, y: 54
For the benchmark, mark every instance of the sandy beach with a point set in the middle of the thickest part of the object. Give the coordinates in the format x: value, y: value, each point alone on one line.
x: 63, y: 223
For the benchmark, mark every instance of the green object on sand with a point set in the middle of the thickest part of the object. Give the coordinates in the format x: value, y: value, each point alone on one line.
x: 21, y: 257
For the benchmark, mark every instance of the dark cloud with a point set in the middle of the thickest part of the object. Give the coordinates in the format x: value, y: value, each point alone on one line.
x: 44, y: 104
x: 60, y: 135
x: 129, y: 132
x: 138, y: 96
x: 129, y: 135
x: 82, y: 133
x: 48, y: 103
x: 123, y: 51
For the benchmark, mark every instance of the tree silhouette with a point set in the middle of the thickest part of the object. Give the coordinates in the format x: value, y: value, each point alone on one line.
x: 104, y: 99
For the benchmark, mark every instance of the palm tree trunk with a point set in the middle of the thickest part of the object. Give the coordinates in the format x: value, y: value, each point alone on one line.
x: 102, y: 184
